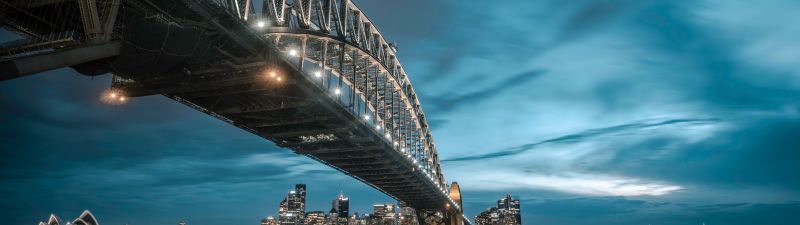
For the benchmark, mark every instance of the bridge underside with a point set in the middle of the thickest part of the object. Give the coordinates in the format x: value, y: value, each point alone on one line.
x: 295, y: 113
x: 201, y: 54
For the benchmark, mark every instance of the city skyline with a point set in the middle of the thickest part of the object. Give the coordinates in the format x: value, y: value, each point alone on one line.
x: 292, y: 210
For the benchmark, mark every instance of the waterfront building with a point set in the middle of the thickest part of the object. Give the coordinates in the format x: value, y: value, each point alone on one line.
x: 86, y: 218
x: 507, y: 212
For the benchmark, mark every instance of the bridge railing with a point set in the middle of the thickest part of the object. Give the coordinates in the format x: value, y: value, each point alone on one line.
x: 365, y: 88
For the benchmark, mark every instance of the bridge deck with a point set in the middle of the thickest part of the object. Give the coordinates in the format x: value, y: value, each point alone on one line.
x: 297, y: 113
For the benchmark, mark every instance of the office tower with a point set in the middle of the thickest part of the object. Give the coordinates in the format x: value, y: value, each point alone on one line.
x: 511, y: 206
x: 292, y: 208
x: 341, y: 206
x: 300, y: 189
x: 507, y: 212
x: 384, y: 214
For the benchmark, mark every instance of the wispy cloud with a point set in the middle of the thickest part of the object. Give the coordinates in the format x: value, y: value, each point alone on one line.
x: 452, y: 100
x: 584, y: 135
x: 568, y: 182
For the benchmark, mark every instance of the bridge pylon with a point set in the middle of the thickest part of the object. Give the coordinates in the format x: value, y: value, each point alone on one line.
x: 449, y: 215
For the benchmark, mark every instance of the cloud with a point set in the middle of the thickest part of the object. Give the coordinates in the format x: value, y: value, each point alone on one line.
x: 452, y: 101
x: 746, y: 154
x: 587, y: 134
x: 568, y: 182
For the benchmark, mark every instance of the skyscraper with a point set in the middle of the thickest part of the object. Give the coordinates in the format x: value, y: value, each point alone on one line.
x: 300, y: 189
x: 507, y: 212
x: 341, y: 205
x: 512, y: 206
x: 292, y: 212
x: 292, y: 208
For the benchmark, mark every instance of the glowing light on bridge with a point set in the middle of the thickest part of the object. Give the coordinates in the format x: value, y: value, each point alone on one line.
x: 113, y: 97
x: 318, y: 74
x: 366, y: 117
x: 260, y: 24
x: 337, y: 91
x: 377, y: 127
x: 292, y: 52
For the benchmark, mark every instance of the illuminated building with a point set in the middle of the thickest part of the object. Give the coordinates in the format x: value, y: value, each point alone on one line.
x: 269, y: 221
x: 407, y: 216
x: 341, y: 205
x: 315, y: 218
x: 357, y: 219
x: 507, y: 212
x: 86, y: 218
x: 292, y: 208
x: 292, y: 212
x: 384, y: 214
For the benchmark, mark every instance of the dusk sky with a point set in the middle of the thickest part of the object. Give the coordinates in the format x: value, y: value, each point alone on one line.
x: 589, y: 111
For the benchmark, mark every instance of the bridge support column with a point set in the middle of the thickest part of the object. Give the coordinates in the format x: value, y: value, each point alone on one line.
x: 429, y: 217
x: 448, y: 217
x: 453, y: 217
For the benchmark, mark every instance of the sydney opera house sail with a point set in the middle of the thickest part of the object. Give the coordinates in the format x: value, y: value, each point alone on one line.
x: 86, y: 218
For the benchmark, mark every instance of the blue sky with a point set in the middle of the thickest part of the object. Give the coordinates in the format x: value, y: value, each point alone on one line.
x: 591, y: 112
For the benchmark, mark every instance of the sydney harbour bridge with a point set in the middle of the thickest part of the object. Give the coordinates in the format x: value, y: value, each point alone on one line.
x: 313, y: 76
